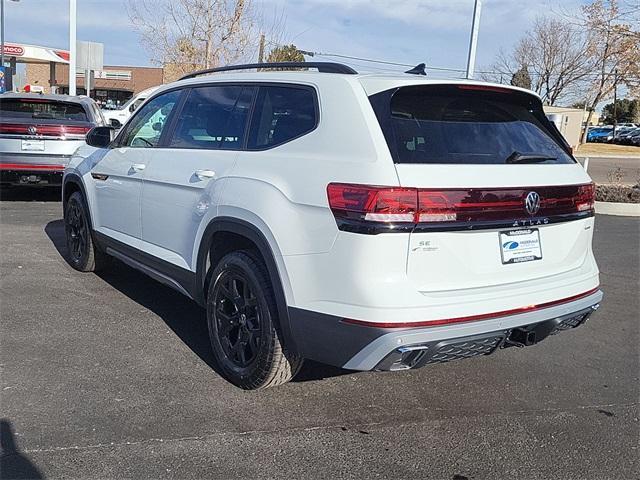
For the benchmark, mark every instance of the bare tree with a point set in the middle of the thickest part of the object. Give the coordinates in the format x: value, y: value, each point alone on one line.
x: 615, y: 49
x: 555, y: 54
x: 185, y: 35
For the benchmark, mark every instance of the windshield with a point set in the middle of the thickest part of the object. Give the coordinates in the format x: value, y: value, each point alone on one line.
x: 460, y: 124
x: 23, y: 108
x: 127, y: 103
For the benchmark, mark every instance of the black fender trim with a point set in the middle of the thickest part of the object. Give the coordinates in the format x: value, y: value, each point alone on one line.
x: 76, y: 180
x: 251, y: 232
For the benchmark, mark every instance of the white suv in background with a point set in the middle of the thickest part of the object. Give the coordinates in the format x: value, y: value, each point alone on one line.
x: 118, y: 117
x: 373, y: 222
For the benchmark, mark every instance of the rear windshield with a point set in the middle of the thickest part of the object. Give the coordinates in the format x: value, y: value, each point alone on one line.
x: 456, y: 125
x: 19, y: 108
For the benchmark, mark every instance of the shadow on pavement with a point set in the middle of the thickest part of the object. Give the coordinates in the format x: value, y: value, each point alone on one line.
x: 30, y: 194
x: 182, y: 315
x: 13, y: 464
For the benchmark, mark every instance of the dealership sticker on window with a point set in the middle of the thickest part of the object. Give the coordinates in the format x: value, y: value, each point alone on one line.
x: 517, y: 246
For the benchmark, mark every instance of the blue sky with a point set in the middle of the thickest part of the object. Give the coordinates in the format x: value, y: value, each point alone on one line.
x: 405, y: 31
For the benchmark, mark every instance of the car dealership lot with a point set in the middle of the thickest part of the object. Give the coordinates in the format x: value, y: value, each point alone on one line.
x: 111, y: 376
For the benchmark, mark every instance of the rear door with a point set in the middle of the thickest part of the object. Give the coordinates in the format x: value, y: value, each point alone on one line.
x: 501, y: 200
x: 183, y: 181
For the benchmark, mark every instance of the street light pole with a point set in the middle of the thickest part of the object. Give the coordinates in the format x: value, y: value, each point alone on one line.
x: 2, y: 33
x: 473, y: 42
x: 72, y: 47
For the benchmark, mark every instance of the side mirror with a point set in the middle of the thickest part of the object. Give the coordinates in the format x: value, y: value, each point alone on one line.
x: 115, y: 123
x: 100, y: 137
x: 132, y: 107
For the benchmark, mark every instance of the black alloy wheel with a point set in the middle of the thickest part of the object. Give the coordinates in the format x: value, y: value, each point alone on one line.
x: 77, y: 232
x: 243, y: 322
x: 238, y: 318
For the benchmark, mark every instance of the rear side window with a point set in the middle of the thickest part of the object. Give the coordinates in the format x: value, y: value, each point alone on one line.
x: 213, y: 118
x: 20, y: 108
x: 444, y: 124
x: 281, y: 114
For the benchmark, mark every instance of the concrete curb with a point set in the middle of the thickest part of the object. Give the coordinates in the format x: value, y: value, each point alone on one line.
x: 620, y: 209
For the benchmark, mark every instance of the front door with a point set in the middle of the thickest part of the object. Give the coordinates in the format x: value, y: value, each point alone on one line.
x: 118, y: 175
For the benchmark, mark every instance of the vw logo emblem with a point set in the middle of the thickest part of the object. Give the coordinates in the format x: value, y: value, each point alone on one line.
x: 532, y: 203
x: 31, y: 130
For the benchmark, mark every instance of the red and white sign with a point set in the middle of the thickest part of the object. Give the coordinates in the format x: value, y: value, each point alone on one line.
x: 35, y: 53
x: 13, y: 50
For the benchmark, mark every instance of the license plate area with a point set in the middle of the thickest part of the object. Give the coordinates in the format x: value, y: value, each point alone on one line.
x: 33, y: 145
x: 518, y: 246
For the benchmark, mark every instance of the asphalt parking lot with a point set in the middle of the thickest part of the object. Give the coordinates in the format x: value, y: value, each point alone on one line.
x: 600, y: 167
x: 110, y: 376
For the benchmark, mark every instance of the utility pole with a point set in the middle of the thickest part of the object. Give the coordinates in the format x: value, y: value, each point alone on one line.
x: 72, y: 47
x: 473, y: 42
x: 261, y: 49
x: 615, y: 102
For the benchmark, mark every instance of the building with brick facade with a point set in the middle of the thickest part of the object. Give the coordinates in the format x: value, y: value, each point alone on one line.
x: 114, y: 84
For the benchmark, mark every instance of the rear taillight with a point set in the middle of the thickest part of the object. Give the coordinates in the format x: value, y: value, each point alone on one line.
x: 71, y: 131
x: 361, y: 207
x: 374, y: 204
x: 585, y: 198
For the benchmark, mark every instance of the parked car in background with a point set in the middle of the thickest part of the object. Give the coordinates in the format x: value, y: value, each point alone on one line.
x: 371, y: 222
x: 600, y: 134
x: 625, y: 137
x: 39, y: 133
x: 634, y: 139
x: 119, y: 116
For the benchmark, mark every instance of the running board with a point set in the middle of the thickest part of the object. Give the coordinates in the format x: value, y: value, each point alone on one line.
x: 156, y: 275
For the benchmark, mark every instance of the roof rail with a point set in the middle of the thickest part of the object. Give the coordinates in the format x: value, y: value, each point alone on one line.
x: 324, y: 67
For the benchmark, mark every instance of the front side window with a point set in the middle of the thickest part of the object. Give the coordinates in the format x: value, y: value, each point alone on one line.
x: 145, y: 128
x: 213, y: 118
x: 280, y: 115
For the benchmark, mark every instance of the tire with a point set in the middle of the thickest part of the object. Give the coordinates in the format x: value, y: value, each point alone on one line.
x: 242, y: 321
x: 82, y: 252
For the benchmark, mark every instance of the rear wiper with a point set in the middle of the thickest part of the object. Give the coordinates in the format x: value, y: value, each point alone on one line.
x: 517, y: 157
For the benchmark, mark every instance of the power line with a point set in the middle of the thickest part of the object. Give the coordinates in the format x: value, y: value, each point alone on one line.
x: 443, y: 69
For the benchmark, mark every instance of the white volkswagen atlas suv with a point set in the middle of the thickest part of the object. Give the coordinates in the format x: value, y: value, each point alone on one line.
x: 372, y: 222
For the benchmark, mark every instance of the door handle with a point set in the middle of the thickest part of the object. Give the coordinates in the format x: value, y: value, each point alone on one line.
x: 205, y: 174
x: 138, y: 167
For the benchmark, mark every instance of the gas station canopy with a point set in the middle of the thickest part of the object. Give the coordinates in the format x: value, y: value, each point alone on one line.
x: 35, y: 53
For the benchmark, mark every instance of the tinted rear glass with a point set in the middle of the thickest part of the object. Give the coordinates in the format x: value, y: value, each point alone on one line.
x: 281, y: 114
x: 452, y: 125
x: 42, y: 109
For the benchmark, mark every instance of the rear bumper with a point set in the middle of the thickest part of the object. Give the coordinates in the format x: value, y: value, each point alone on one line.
x: 330, y: 340
x: 33, y: 169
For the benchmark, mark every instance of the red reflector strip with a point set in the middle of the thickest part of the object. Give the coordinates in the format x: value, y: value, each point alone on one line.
x: 43, y: 130
x: 31, y: 167
x: 471, y: 318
